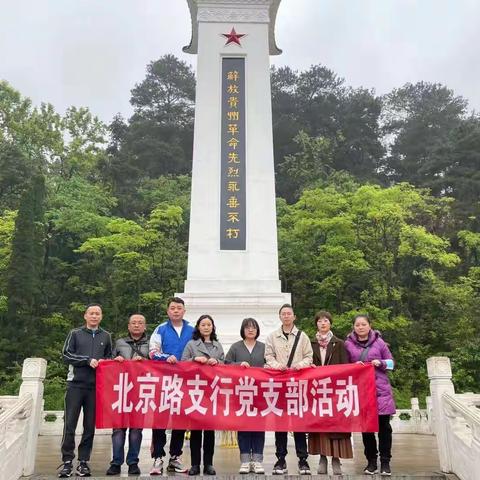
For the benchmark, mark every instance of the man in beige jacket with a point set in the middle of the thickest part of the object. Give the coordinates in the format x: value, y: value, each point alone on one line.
x: 278, y: 348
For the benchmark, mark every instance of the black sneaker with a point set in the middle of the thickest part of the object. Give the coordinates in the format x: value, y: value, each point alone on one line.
x: 371, y: 468
x: 194, y: 470
x: 304, y: 467
x: 66, y: 471
x: 133, y: 469
x: 113, y: 470
x: 83, y: 470
x: 385, y: 469
x: 280, y: 468
x: 209, y: 470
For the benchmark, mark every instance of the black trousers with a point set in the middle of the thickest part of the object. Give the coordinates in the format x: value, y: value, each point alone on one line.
x: 77, y: 399
x: 384, y: 440
x: 196, y: 446
x: 281, y: 439
x: 159, y: 440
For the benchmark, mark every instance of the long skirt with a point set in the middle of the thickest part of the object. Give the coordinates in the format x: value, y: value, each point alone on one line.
x: 337, y: 445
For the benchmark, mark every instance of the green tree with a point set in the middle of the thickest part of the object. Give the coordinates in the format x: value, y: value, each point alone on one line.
x: 25, y: 272
x: 418, y: 119
x: 158, y: 138
x: 317, y: 102
x: 351, y: 248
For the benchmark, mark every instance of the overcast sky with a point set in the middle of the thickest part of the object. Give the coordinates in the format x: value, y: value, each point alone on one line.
x: 92, y: 52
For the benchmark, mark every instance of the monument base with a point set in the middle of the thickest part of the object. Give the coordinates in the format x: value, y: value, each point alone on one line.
x: 229, y: 309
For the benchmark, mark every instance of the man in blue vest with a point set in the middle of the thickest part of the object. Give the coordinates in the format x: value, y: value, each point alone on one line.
x: 166, y: 344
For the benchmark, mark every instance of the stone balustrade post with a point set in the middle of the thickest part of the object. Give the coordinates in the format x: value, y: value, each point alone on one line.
x: 431, y: 423
x: 33, y: 375
x: 440, y: 376
x: 415, y: 415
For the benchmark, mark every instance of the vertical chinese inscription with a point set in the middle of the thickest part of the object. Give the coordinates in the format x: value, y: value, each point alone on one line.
x: 233, y: 196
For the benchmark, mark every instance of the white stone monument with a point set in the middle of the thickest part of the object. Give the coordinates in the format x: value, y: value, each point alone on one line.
x: 233, y: 258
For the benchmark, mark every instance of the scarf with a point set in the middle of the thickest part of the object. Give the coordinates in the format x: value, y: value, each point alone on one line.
x: 323, y: 340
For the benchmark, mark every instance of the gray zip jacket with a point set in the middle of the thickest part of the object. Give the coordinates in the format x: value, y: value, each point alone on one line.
x: 197, y: 348
x: 128, y: 348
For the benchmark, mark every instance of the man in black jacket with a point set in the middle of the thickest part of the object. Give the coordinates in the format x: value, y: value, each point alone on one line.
x: 83, y: 349
x: 132, y: 347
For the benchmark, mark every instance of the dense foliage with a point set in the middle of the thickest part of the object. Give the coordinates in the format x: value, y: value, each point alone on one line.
x: 378, y: 211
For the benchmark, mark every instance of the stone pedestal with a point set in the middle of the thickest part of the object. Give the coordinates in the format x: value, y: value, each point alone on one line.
x: 233, y: 284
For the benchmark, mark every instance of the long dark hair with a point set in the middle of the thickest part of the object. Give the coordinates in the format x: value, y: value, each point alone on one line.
x: 196, y: 333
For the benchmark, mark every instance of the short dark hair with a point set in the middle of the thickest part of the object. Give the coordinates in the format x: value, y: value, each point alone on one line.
x: 175, y: 300
x: 323, y: 314
x: 93, y: 305
x: 249, y: 322
x: 362, y: 315
x: 196, y: 333
x: 285, y: 305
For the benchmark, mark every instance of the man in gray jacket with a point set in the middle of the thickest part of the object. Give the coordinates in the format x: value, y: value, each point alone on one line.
x: 132, y: 347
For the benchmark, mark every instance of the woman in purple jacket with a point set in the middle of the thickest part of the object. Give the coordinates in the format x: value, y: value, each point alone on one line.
x: 367, y: 345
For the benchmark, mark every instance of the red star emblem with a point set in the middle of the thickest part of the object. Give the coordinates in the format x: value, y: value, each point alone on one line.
x: 233, y: 37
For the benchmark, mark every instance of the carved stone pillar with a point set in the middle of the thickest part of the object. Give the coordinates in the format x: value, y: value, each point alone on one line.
x: 33, y: 374
x: 440, y: 376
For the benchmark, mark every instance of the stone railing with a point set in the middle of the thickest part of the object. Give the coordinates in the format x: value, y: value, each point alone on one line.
x: 456, y: 420
x: 19, y: 422
x: 413, y: 420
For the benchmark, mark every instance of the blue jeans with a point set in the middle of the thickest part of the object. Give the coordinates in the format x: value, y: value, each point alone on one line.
x: 118, y: 445
x: 251, y: 446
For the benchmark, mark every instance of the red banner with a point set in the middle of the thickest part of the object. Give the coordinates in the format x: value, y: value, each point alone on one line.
x: 187, y: 395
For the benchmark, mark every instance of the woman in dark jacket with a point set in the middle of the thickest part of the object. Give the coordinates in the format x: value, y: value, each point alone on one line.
x: 205, y: 349
x: 328, y: 350
x: 249, y: 352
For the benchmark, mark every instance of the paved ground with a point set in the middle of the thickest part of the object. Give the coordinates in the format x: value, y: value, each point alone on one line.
x: 412, y: 455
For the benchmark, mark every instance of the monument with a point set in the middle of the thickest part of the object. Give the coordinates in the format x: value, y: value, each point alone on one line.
x: 233, y: 258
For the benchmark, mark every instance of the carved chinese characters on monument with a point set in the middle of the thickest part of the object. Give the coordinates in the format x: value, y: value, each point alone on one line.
x: 232, y: 181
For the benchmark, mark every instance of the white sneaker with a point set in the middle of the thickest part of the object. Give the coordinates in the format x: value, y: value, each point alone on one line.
x: 157, y: 467
x: 244, y: 468
x: 258, y: 468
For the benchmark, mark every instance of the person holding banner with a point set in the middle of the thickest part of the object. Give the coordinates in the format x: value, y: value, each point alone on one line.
x: 84, y: 348
x: 167, y: 343
x: 132, y: 347
x: 366, y: 345
x: 249, y: 352
x: 328, y: 350
x: 205, y: 349
x: 288, y: 347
